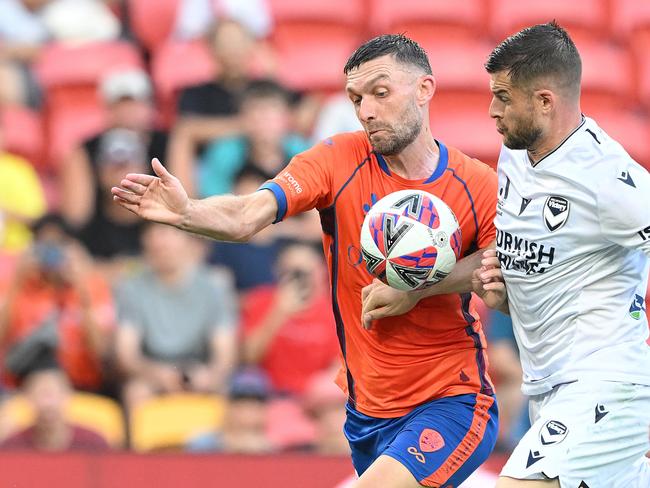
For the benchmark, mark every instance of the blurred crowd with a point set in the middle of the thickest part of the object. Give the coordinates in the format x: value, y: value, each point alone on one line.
x: 108, y: 325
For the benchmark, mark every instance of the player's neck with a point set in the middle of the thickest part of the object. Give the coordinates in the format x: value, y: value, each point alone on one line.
x: 555, y: 136
x: 418, y: 160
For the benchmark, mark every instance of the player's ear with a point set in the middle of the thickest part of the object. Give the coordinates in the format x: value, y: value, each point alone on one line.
x: 546, y: 100
x: 426, y: 89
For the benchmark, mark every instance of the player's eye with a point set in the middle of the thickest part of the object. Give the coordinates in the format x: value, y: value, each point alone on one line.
x: 381, y: 93
x: 356, y: 101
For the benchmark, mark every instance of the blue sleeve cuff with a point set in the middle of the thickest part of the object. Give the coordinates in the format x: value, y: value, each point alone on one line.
x: 281, y: 198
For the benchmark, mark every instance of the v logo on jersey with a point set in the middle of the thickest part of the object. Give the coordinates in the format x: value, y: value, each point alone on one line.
x: 524, y: 204
x: 533, y: 457
x: 556, y: 212
x: 627, y: 179
x: 392, y: 233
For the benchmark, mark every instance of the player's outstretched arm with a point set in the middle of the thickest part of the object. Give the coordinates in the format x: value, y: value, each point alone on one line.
x: 163, y: 199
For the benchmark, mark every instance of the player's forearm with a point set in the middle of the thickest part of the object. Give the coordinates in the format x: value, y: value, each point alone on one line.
x: 224, y: 218
x: 460, y: 278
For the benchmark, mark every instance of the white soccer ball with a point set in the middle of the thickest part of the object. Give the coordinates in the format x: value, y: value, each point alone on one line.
x: 410, y: 240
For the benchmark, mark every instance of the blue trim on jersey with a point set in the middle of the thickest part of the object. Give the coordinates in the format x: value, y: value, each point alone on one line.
x: 465, y: 299
x: 469, y: 195
x: 443, y: 162
x: 340, y: 326
x: 382, y: 164
x: 280, y: 196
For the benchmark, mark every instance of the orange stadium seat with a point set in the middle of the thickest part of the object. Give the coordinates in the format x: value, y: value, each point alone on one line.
x: 22, y: 132
x: 461, y: 119
x: 314, y: 40
x: 586, y: 17
x: 171, y: 421
x: 70, y: 76
x: 288, y: 426
x: 419, y: 18
x: 152, y: 21
x: 629, y: 128
x: 607, y: 74
x: 94, y: 412
x: 640, y: 47
x: 628, y: 16
x: 198, y: 66
x: 458, y: 65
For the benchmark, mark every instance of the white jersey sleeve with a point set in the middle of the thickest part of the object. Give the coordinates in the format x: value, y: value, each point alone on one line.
x: 624, y: 208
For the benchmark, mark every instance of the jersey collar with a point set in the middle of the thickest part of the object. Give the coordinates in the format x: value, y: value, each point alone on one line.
x: 443, y: 162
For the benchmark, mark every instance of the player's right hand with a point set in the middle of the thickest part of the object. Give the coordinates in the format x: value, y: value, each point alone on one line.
x: 488, y: 282
x: 159, y: 198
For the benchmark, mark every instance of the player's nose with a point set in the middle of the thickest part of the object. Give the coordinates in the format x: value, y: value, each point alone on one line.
x: 366, y: 111
x: 495, y: 110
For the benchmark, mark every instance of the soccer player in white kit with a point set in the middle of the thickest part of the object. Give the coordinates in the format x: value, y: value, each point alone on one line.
x: 573, y: 240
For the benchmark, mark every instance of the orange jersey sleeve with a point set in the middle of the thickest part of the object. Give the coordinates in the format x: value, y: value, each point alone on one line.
x: 309, y: 179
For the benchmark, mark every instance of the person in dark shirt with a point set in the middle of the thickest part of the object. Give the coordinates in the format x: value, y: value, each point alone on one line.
x: 48, y: 391
x: 85, y: 175
x: 209, y: 110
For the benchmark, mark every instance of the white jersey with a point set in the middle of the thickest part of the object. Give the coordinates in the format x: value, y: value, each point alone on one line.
x: 573, y: 239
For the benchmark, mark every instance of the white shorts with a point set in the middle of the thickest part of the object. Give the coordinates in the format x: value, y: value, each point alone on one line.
x: 588, y: 434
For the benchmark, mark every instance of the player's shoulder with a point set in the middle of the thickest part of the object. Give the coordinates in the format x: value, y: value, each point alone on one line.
x: 346, y: 143
x: 598, y: 159
x: 468, y: 168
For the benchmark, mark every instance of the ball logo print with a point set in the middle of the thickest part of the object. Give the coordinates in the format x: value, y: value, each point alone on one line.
x: 410, y: 239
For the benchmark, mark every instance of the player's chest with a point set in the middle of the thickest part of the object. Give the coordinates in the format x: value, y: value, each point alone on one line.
x: 353, y: 205
x: 542, y: 220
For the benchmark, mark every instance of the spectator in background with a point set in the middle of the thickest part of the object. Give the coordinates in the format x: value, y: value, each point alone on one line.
x: 325, y: 403
x: 505, y: 369
x: 48, y: 391
x: 177, y: 321
x: 55, y: 304
x: 22, y: 200
x: 127, y: 98
x: 289, y: 329
x: 266, y: 142
x: 109, y: 233
x: 335, y: 116
x: 245, y: 425
x: 195, y: 17
x: 22, y: 35
x: 251, y: 263
x: 209, y: 110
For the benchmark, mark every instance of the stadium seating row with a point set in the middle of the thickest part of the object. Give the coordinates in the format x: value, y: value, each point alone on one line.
x: 313, y: 40
x: 162, y: 423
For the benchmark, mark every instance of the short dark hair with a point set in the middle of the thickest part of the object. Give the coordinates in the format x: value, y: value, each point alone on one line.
x: 265, y: 88
x: 405, y: 51
x: 536, y: 52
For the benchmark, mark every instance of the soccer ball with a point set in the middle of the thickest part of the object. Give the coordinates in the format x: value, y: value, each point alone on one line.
x: 410, y: 240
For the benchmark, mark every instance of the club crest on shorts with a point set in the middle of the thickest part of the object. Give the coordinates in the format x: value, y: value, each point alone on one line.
x: 431, y: 440
x: 556, y: 212
x: 553, y: 432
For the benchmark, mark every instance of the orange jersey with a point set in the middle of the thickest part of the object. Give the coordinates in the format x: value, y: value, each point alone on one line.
x: 438, y: 348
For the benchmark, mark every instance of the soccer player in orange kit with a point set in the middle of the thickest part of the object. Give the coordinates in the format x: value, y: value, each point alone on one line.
x: 421, y: 409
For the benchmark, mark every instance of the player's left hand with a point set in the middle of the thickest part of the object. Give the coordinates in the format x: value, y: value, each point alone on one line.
x: 379, y: 300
